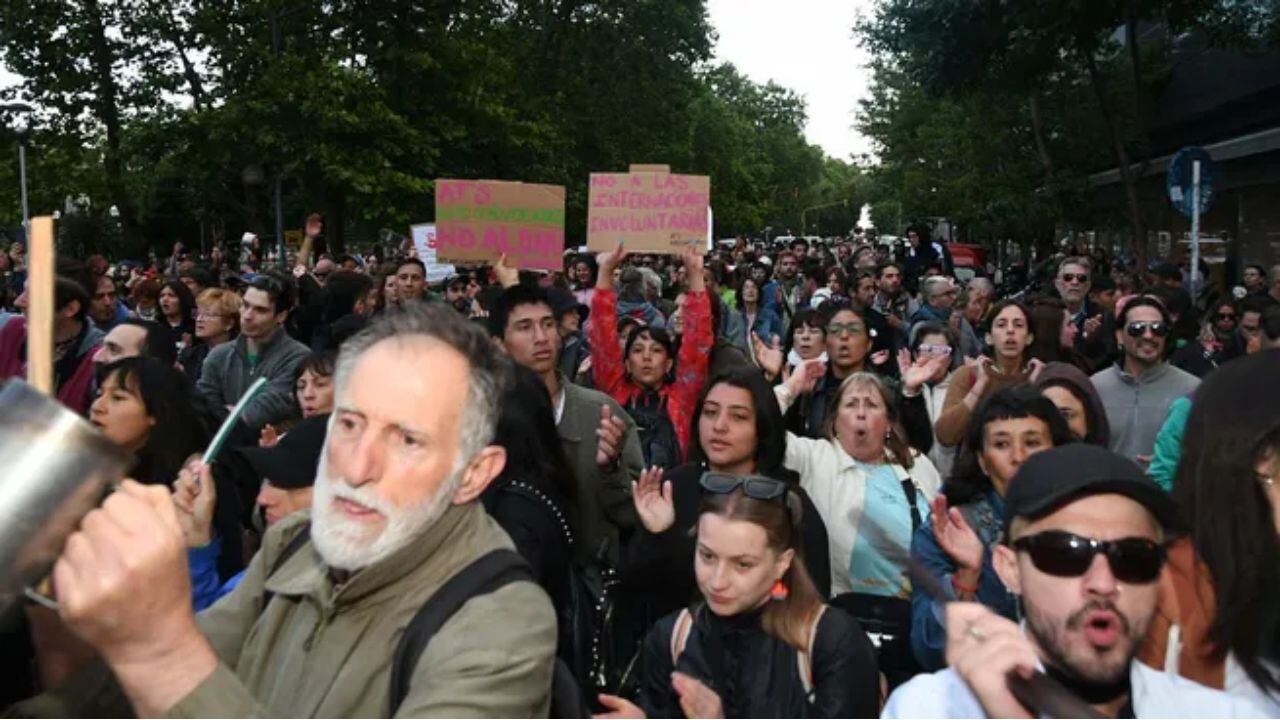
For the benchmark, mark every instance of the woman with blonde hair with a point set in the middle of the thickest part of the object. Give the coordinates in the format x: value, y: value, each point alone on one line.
x: 871, y: 489
x: 217, y: 322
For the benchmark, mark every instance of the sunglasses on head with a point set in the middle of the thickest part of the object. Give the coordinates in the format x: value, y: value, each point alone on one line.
x: 756, y: 487
x: 1139, y: 328
x: 1074, y: 277
x: 1055, y: 552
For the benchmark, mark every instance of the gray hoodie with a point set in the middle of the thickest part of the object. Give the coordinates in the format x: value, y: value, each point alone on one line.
x: 1136, y: 407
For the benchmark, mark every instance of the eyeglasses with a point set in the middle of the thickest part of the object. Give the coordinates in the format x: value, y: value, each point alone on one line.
x: 840, y: 328
x: 1139, y: 328
x: 928, y: 349
x: 1074, y: 277
x: 1063, y: 554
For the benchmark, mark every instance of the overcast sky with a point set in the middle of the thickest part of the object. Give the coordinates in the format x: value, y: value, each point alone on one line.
x: 804, y: 45
x: 807, y: 46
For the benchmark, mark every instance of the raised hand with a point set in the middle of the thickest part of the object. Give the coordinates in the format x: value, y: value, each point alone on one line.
x: 693, y: 265
x: 980, y: 376
x: 653, y: 501
x: 610, y: 434
x: 769, y: 357
x: 904, y: 362
x: 956, y: 538
x: 1036, y: 366
x: 1092, y: 325
x: 507, y: 275
x: 269, y: 436
x: 915, y: 375
x: 806, y: 376
x: 194, y: 497
x: 608, y: 262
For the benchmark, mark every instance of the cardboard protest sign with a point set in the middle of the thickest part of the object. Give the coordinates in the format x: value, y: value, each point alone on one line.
x: 424, y: 245
x: 479, y: 220
x: 649, y: 212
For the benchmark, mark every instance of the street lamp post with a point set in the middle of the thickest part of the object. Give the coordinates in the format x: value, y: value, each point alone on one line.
x: 22, y: 159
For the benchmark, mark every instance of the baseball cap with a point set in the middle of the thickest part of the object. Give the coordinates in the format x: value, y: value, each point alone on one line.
x: 291, y: 463
x: 563, y: 301
x: 1052, y: 478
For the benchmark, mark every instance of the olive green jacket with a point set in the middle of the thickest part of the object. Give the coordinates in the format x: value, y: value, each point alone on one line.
x: 323, y: 649
x: 604, y: 494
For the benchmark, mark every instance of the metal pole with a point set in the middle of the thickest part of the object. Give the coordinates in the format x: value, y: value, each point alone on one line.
x: 1195, y: 227
x: 22, y: 179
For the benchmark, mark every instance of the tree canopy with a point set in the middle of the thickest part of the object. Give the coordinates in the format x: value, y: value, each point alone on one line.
x: 181, y: 115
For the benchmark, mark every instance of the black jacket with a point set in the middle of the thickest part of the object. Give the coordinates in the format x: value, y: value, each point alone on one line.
x: 756, y: 675
x: 659, y: 567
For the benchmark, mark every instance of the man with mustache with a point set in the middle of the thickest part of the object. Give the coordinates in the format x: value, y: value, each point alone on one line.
x: 1084, y: 551
x: 312, y: 628
x: 1138, y: 390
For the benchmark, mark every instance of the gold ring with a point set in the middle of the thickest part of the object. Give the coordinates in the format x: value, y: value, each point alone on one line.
x: 972, y: 631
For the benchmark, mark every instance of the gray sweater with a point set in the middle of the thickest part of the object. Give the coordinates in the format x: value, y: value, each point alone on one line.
x: 226, y: 376
x: 1136, y: 407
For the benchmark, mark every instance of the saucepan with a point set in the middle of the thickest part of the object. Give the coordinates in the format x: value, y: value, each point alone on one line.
x: 54, y: 468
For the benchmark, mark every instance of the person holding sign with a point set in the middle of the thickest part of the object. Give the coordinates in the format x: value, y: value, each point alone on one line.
x: 638, y: 376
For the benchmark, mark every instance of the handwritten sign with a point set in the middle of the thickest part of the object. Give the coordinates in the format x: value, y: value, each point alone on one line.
x: 479, y: 220
x: 650, y: 212
x: 425, y: 247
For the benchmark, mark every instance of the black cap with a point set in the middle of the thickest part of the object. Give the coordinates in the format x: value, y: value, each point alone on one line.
x: 563, y: 301
x: 291, y: 463
x: 1052, y: 478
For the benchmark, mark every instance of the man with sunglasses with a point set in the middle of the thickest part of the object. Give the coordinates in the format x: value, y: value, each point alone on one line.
x: 1138, y: 390
x: 1083, y: 551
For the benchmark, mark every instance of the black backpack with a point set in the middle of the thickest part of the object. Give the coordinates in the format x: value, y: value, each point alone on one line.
x: 487, y: 574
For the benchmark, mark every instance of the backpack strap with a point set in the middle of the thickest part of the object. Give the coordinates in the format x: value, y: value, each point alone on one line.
x: 804, y: 660
x: 486, y: 575
x: 909, y: 489
x: 680, y: 634
x: 290, y: 549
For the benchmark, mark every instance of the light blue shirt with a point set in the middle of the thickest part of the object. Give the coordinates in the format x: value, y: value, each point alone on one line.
x: 878, y: 564
x: 1155, y: 694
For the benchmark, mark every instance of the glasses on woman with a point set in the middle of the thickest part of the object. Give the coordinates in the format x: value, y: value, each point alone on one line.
x: 841, y: 328
x: 1133, y: 560
x: 935, y: 350
x: 756, y: 487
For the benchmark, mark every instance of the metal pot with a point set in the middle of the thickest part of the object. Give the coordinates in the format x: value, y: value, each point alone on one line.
x: 54, y: 469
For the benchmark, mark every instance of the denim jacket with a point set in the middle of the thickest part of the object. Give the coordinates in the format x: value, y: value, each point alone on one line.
x: 928, y: 636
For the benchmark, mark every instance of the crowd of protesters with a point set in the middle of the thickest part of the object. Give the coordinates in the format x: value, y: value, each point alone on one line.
x: 785, y: 479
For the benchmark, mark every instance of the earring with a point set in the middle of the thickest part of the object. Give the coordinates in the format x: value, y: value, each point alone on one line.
x: 779, y: 591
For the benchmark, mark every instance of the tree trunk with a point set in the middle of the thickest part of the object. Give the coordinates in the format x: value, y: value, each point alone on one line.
x: 107, y: 109
x: 1138, y: 241
x: 1135, y: 70
x: 1037, y: 130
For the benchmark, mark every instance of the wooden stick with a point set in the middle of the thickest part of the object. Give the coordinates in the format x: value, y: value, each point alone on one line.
x: 40, y: 299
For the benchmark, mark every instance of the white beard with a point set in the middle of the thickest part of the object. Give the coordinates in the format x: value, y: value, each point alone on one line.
x: 346, y: 544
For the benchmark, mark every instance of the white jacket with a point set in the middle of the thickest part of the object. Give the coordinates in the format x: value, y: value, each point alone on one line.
x: 837, y: 487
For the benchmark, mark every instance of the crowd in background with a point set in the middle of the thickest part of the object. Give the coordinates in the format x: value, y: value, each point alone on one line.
x: 868, y: 416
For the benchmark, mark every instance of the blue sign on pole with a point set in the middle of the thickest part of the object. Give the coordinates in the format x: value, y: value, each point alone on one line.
x: 1180, y: 179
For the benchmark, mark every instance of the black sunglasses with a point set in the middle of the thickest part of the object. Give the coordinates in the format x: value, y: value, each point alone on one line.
x: 1056, y: 552
x: 1138, y: 328
x: 1077, y: 277
x: 756, y: 487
